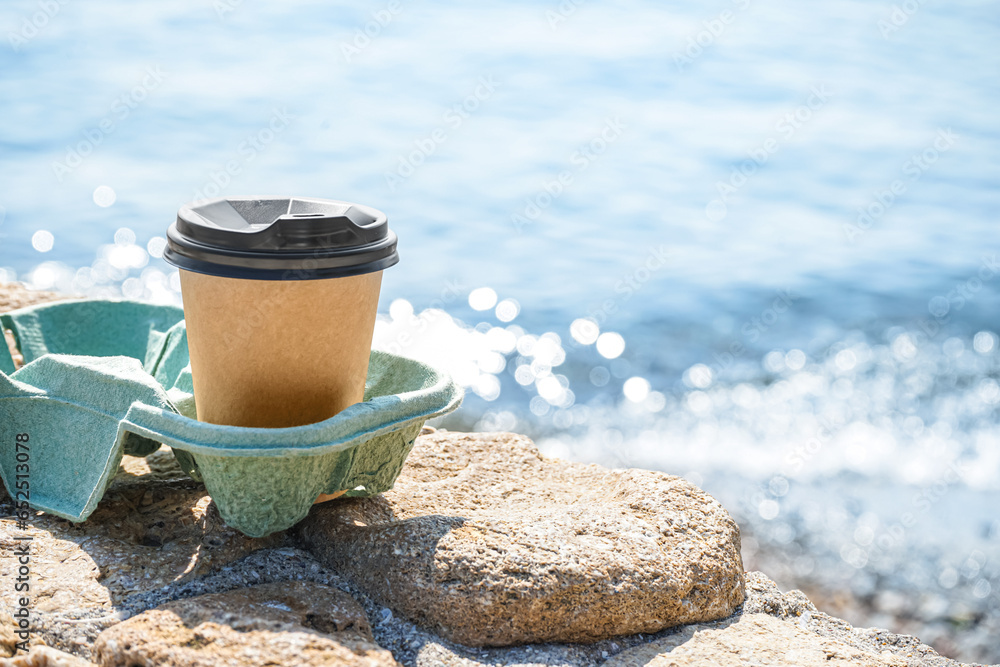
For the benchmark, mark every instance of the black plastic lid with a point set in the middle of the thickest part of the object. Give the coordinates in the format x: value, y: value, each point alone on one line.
x: 280, y: 238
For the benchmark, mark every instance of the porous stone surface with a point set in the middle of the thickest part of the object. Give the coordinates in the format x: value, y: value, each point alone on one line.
x: 411, y: 644
x: 287, y: 623
x: 764, y: 639
x: 154, y: 527
x: 8, y: 640
x: 764, y: 597
x: 414, y: 646
x: 43, y: 656
x: 490, y: 543
x: 16, y: 295
x: 782, y: 630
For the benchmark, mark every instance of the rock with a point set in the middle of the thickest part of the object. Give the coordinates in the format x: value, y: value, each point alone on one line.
x: 8, y: 638
x: 763, y: 596
x: 288, y: 623
x: 775, y: 629
x: 43, y: 656
x: 765, y: 639
x: 235, y: 564
x: 489, y: 543
x: 16, y: 295
x: 155, y: 527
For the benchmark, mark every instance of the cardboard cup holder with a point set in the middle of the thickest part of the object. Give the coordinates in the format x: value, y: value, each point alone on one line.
x: 103, y: 378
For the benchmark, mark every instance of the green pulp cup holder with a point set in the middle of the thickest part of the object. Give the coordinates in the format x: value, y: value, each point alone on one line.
x: 103, y: 378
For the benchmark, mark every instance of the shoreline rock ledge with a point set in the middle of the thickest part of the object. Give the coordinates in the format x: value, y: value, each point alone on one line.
x: 489, y: 543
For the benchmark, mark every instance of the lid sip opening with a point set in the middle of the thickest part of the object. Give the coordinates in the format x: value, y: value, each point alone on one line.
x: 280, y: 238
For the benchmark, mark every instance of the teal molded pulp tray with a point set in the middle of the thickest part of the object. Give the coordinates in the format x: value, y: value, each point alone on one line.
x: 104, y: 378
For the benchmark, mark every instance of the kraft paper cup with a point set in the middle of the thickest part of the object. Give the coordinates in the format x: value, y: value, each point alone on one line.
x: 275, y: 354
x: 280, y: 296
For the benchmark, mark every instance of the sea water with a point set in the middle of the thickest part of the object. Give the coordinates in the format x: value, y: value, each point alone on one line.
x: 751, y: 243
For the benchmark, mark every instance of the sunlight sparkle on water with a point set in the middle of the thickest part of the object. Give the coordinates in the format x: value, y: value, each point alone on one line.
x: 501, y: 340
x: 482, y: 298
x: 610, y: 345
x: 507, y: 310
x: 774, y: 361
x: 599, y: 376
x: 156, y: 246
x: 400, y: 310
x: 636, y: 389
x: 104, y: 196
x: 768, y: 509
x: 488, y: 387
x: 795, y: 359
x: 845, y: 360
x: 984, y: 342
x: 584, y: 331
x: 42, y: 240
x: 124, y: 236
x: 45, y: 275
x: 698, y: 376
x: 126, y: 256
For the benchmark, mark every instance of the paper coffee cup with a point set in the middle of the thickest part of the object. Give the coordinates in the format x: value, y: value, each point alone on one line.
x: 279, y: 296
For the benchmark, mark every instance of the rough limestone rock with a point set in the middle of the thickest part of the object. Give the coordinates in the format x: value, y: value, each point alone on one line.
x: 8, y: 638
x: 288, y: 623
x: 763, y: 639
x: 763, y: 597
x: 43, y: 656
x: 14, y: 296
x: 415, y: 647
x: 783, y: 630
x: 489, y: 543
x: 154, y: 527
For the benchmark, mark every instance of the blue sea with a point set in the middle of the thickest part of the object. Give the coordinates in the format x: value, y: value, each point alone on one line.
x: 750, y: 242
